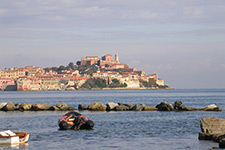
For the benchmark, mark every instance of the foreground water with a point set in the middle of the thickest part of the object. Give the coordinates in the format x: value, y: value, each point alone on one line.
x: 114, y: 130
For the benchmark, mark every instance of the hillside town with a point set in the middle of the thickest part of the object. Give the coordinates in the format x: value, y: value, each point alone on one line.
x: 90, y: 72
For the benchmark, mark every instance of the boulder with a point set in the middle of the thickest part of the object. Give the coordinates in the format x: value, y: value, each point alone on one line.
x: 178, y: 105
x: 54, y: 108
x: 123, y: 107
x: 17, y: 106
x: 70, y: 108
x: 212, y: 107
x: 150, y: 108
x: 97, y: 107
x: 111, y: 106
x: 70, y: 89
x: 164, y: 106
x: 222, y: 143
x: 128, y: 105
x: 9, y: 107
x: 2, y: 105
x: 82, y: 107
x: 62, y: 106
x: 171, y: 107
x: 138, y: 107
x: 190, y: 109
x: 26, y: 106
x: 205, y: 136
x: 213, y: 125
x: 39, y: 107
x: 212, y: 129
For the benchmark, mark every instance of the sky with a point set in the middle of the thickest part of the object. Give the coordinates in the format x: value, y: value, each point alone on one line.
x: 181, y: 40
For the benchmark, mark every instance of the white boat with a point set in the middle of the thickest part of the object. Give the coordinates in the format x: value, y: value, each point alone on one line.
x: 9, y: 137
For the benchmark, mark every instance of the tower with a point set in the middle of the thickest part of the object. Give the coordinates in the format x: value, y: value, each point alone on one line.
x: 117, y: 57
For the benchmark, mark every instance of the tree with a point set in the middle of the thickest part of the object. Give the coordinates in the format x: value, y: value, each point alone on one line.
x: 61, y: 68
x: 54, y: 68
x: 71, y: 64
x: 116, y: 81
x: 78, y: 63
x: 106, y: 65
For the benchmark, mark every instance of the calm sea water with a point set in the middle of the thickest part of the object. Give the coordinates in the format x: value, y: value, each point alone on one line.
x: 114, y: 130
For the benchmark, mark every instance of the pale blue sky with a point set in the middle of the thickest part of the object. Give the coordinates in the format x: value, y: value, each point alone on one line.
x: 181, y: 40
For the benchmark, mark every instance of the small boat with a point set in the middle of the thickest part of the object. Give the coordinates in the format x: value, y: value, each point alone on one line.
x: 9, y: 137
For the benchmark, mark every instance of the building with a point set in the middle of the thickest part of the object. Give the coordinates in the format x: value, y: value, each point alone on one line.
x: 16, y: 73
x: 89, y: 60
x: 6, y: 82
x: 107, y: 61
x: 106, y: 74
x: 153, y: 80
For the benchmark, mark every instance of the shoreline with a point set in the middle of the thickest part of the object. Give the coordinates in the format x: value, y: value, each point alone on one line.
x: 98, y: 89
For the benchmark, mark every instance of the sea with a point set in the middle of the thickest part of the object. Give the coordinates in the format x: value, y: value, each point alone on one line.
x: 114, y: 130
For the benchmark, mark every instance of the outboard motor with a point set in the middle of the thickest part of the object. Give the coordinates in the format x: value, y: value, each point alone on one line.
x: 74, y: 121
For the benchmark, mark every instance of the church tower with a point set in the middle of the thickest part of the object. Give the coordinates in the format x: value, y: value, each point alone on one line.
x: 117, y: 57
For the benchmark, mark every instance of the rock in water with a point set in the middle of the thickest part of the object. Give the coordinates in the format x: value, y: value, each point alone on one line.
x: 164, y: 106
x: 111, y: 106
x: 25, y: 106
x: 138, y: 107
x: 2, y: 105
x: 179, y: 106
x: 70, y: 108
x: 123, y: 107
x: 9, y: 107
x: 222, y: 143
x: 82, y: 107
x: 150, y: 108
x: 62, y: 106
x: 54, y: 108
x: 213, y: 125
x: 97, y: 107
x: 38, y: 107
x: 212, y: 129
x: 212, y: 107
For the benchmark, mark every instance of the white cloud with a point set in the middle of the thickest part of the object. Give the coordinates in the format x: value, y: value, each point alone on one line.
x: 54, y: 18
x: 3, y: 12
x: 194, y: 12
x: 150, y: 15
x: 90, y: 11
x: 220, y: 8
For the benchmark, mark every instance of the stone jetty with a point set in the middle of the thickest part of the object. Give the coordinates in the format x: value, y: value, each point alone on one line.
x: 10, y: 106
x: 163, y: 106
x: 111, y: 106
x: 213, y: 129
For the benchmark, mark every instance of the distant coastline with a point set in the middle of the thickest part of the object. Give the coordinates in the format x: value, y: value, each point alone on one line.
x: 91, y: 73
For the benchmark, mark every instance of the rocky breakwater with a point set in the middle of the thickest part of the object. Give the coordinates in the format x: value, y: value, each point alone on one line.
x: 163, y: 106
x: 10, y: 106
x: 111, y: 106
x: 213, y: 129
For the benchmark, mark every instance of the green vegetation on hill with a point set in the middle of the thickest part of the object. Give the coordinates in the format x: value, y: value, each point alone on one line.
x: 116, y: 84
x: 94, y: 83
x: 87, y: 70
x: 101, y: 83
x: 82, y: 69
x: 148, y: 85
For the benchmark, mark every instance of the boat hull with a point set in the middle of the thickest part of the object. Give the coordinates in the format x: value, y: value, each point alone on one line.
x: 16, y: 138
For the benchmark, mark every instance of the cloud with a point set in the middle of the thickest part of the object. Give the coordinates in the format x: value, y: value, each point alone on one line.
x: 149, y: 15
x: 194, y: 12
x: 3, y: 12
x: 93, y: 11
x: 174, y: 38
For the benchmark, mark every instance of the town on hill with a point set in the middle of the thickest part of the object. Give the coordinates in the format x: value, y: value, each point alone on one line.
x: 89, y: 73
